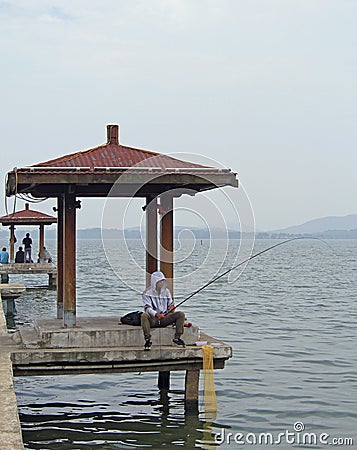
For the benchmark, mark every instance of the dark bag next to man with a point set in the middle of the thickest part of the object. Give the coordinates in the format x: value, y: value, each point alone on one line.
x: 132, y: 318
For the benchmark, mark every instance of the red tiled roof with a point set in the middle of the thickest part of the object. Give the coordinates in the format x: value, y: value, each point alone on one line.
x: 113, y: 154
x: 95, y: 170
x: 28, y: 216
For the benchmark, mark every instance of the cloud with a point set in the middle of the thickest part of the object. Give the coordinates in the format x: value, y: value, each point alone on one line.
x: 56, y: 15
x: 22, y: 14
x: 4, y: 5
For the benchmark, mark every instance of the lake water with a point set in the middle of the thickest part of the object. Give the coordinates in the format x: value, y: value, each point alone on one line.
x: 290, y: 318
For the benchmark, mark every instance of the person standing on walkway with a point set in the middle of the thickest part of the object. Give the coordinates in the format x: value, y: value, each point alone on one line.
x: 27, y: 241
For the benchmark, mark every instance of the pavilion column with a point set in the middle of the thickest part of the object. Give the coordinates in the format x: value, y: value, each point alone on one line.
x: 166, y: 260
x: 167, y: 240
x: 12, y: 243
x: 42, y: 241
x: 151, y: 237
x: 60, y: 284
x: 69, y: 260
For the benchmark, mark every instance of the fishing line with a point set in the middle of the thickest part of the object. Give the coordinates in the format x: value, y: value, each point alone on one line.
x: 245, y: 261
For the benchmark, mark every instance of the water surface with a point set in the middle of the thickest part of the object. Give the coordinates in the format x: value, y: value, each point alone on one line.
x: 290, y: 318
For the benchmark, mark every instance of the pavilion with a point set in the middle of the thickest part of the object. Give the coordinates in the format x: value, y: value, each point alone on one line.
x: 27, y: 217
x: 113, y: 169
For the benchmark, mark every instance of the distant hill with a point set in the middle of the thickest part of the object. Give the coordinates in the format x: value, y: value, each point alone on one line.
x: 322, y: 225
x: 332, y: 227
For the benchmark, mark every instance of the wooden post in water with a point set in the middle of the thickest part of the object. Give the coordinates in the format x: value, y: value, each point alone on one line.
x: 69, y: 261
x: 151, y: 237
x: 42, y: 241
x: 60, y: 286
x: 192, y: 381
x: 164, y: 380
x: 167, y: 240
x: 52, y: 283
x: 12, y: 243
x: 166, y: 260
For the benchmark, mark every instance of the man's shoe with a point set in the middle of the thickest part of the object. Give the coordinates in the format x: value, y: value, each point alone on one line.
x: 179, y: 342
x: 148, y: 344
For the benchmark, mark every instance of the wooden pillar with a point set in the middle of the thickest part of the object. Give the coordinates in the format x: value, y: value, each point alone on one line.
x: 69, y: 261
x: 42, y: 241
x: 60, y: 257
x: 12, y: 243
x: 192, y: 381
x: 151, y: 237
x: 163, y: 380
x: 167, y: 240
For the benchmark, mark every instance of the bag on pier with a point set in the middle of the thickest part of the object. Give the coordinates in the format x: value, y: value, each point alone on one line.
x: 132, y: 318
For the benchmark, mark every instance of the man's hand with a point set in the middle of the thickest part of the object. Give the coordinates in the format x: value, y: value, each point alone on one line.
x: 171, y: 307
x: 160, y: 315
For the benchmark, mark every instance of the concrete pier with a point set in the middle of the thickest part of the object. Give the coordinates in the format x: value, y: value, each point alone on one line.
x: 97, y: 345
x: 102, y: 332
x: 9, y: 292
x: 29, y: 269
x: 103, y: 345
x: 10, y: 429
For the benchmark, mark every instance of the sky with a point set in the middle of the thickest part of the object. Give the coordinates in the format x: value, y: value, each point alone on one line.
x: 267, y: 88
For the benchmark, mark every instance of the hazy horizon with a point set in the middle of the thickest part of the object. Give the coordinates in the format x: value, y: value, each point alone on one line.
x: 231, y: 227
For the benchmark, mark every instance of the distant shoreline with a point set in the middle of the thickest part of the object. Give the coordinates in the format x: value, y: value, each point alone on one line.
x: 185, y: 233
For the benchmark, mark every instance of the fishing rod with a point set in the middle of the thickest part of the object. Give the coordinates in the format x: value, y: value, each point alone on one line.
x: 241, y: 263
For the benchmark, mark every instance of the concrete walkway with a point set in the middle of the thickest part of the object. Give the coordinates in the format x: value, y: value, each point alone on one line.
x: 10, y: 428
x: 102, y: 344
x: 30, y: 269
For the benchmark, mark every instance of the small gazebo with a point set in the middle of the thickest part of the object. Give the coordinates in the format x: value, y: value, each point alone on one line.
x: 114, y: 170
x: 27, y: 217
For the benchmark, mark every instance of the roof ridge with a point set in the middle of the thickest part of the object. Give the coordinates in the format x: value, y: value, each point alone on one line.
x: 163, y: 154
x: 65, y: 158
x: 149, y: 153
x: 82, y: 152
x: 143, y: 150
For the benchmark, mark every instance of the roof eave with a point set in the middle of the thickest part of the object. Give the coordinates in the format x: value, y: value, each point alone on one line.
x: 51, y: 185
x: 9, y: 222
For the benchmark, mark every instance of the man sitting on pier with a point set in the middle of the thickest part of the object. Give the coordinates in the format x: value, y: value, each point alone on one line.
x: 46, y: 256
x: 159, y: 310
x: 20, y: 256
x: 4, y: 256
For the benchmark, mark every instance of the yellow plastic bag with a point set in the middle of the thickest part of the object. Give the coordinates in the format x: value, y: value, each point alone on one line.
x: 210, y: 402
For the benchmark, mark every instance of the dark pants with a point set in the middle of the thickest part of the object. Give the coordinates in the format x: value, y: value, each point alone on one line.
x: 148, y: 322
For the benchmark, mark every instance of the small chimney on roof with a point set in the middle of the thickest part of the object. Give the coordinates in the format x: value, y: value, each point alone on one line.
x: 27, y: 206
x: 112, y: 134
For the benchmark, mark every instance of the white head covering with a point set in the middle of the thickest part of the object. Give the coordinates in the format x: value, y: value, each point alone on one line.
x: 155, y: 277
